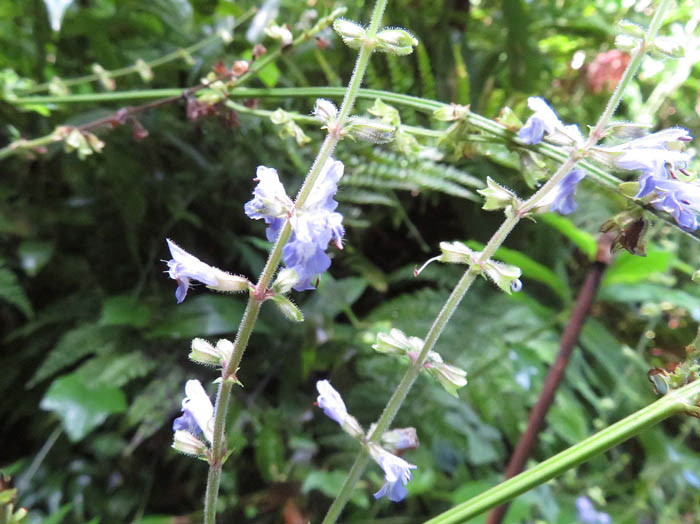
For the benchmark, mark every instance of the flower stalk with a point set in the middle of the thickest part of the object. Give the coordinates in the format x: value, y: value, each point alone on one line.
x: 575, y: 154
x: 252, y: 310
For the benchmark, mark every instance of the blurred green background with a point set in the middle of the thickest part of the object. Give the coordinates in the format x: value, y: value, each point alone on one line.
x: 94, y: 354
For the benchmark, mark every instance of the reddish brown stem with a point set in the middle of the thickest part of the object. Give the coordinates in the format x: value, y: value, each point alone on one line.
x: 569, y: 338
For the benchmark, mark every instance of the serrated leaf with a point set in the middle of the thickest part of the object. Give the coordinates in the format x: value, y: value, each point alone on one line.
x: 81, y: 406
x: 115, y: 370
x: 72, y: 346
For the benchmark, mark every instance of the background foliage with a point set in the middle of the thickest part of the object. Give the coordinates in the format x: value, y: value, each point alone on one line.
x: 94, y: 346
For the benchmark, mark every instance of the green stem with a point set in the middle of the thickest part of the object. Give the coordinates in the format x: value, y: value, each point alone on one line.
x: 255, y: 299
x: 460, y: 290
x: 116, y: 73
x: 677, y: 401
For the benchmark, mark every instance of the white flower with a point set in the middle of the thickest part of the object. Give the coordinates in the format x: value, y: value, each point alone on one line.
x: 330, y: 401
x: 197, y: 411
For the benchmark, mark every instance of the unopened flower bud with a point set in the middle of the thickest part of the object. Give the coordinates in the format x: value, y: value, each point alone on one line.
x: 696, y: 276
x: 497, y: 196
x: 353, y: 35
x: 285, y: 281
x: 369, y: 129
x: 400, y: 439
x: 626, y: 42
x: 325, y: 111
x: 629, y: 28
x: 103, y: 75
x: 387, y: 113
x: 288, y: 308
x: 185, y: 442
x: 450, y: 377
x: 240, y: 67
x: 449, y: 113
x: 281, y: 33
x: 397, y: 343
x: 504, y: 276
x: 144, y: 70
x: 203, y: 352
x: 225, y: 35
x: 224, y: 348
x: 668, y: 46
x: 396, y: 42
x: 456, y: 253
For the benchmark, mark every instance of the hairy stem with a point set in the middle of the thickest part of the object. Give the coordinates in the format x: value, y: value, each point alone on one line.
x: 250, y: 316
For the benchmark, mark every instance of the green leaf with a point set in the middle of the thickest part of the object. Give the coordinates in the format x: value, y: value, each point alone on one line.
x: 124, y: 310
x: 629, y: 268
x: 269, y: 452
x: 650, y: 292
x: 81, y: 406
x: 204, y: 315
x: 74, y: 345
x: 583, y: 240
x: 530, y: 269
x: 12, y: 292
x: 34, y: 255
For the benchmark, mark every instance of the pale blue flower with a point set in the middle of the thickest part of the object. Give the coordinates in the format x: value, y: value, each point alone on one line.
x: 197, y: 412
x: 561, y: 197
x: 314, y: 225
x: 184, y: 267
x: 330, y: 401
x: 656, y: 155
x: 397, y: 473
x: 587, y: 514
x: 680, y: 199
x: 270, y: 201
x: 545, y: 120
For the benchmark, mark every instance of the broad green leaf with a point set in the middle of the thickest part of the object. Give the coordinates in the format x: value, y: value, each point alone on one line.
x: 124, y: 310
x: 81, y: 406
x: 629, y: 268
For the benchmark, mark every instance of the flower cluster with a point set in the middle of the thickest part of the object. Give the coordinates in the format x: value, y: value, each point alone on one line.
x: 561, y: 196
x: 197, y: 419
x: 397, y: 472
x: 659, y: 159
x: 314, y: 225
x: 545, y: 120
